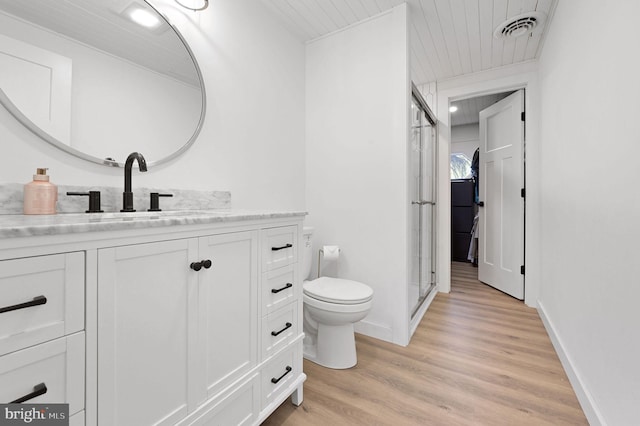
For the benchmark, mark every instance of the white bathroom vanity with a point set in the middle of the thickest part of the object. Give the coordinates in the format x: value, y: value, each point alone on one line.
x: 171, y: 318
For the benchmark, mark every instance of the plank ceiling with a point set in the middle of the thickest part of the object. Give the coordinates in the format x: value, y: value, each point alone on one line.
x: 448, y: 37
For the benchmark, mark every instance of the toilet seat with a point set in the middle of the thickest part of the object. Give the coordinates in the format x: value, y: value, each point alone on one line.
x: 337, y: 291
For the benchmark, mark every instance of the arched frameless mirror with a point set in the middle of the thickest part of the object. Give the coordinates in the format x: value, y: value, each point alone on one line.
x: 100, y: 78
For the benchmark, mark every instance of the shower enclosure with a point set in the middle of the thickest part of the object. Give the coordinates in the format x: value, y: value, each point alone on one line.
x: 422, y: 176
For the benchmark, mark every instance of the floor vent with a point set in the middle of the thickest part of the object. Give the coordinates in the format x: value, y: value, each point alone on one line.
x: 520, y: 25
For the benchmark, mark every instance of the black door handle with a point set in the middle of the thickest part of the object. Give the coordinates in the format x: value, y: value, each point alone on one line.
x: 206, y: 263
x: 39, y: 389
x: 274, y: 380
x: 196, y: 266
x: 480, y: 203
x: 287, y: 326
x: 283, y: 247
x: 278, y: 290
x: 38, y: 300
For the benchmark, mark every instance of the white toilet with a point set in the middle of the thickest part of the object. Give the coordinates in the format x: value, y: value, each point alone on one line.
x: 331, y: 307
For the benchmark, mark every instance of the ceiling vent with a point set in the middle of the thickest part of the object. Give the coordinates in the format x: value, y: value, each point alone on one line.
x: 520, y: 25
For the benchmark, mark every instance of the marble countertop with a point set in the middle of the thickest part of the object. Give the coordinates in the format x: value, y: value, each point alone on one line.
x: 12, y: 226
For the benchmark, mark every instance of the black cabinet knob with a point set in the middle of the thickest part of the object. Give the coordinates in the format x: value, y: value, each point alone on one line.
x: 206, y: 263
x: 196, y: 266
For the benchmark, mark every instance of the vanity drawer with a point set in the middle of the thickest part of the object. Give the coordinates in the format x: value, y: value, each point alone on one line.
x: 278, y: 329
x: 279, y: 374
x: 77, y: 419
x: 279, y: 288
x: 238, y: 407
x: 41, y: 298
x: 58, y: 365
x: 279, y: 247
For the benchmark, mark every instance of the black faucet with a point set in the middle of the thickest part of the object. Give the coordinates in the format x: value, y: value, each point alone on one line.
x: 127, y: 195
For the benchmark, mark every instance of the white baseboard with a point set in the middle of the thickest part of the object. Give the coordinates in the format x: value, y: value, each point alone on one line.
x: 377, y: 331
x: 584, y: 396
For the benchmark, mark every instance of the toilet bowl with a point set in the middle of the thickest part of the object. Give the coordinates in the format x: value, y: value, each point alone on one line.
x: 331, y: 307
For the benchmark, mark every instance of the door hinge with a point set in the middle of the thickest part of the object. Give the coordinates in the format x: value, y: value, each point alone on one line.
x: 523, y: 192
x: 522, y: 269
x: 522, y: 116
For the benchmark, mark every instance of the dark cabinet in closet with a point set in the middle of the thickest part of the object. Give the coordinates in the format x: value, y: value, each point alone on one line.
x: 462, y: 213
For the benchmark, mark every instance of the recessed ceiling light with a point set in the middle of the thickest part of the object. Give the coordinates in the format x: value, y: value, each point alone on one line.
x: 453, y: 108
x: 144, y: 17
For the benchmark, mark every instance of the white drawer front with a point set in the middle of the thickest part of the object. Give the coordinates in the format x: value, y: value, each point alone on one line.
x: 58, y: 364
x: 58, y: 281
x: 77, y: 419
x: 278, y: 374
x: 238, y: 408
x: 278, y: 288
x: 278, y: 329
x: 279, y: 247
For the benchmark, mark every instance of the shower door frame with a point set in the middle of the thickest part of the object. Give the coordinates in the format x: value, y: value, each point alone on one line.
x: 431, y: 118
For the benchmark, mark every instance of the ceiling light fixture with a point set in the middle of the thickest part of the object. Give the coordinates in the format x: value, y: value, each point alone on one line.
x: 143, y: 17
x: 194, y: 5
x: 453, y: 108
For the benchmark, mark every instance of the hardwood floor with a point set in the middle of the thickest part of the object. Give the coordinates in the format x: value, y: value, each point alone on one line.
x: 479, y: 357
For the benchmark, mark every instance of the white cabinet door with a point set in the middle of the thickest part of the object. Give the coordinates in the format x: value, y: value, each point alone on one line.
x: 147, y: 333
x: 229, y: 307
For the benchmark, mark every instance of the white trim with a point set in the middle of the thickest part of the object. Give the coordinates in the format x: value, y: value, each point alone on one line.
x: 377, y: 331
x: 591, y: 411
x: 350, y: 26
x: 487, y: 82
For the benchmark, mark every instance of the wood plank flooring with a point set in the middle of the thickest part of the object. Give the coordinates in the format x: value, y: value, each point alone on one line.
x: 479, y: 357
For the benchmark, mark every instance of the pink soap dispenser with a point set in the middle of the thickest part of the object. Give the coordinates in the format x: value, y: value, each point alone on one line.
x: 40, y: 196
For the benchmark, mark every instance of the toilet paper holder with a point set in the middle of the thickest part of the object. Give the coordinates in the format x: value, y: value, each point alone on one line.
x: 320, y: 255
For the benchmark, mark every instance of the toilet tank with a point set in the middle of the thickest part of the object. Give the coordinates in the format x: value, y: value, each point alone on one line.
x: 307, y: 255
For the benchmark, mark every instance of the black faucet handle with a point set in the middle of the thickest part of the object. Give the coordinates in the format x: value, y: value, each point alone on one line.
x: 94, y: 200
x: 155, y: 201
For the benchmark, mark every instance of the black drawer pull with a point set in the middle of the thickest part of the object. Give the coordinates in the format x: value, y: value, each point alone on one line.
x: 286, y: 326
x: 283, y: 247
x: 274, y: 380
x: 38, y: 390
x: 278, y: 290
x: 38, y: 300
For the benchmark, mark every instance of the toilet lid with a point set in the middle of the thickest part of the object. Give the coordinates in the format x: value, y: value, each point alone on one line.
x: 339, y: 291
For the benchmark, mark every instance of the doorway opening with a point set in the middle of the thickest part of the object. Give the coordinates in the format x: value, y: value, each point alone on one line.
x: 487, y: 188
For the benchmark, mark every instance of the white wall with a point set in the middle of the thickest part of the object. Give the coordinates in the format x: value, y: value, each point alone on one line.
x: 465, y: 139
x: 591, y: 204
x: 357, y: 133
x: 252, y: 142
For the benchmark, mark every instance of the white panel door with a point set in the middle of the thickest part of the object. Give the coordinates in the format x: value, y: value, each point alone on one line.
x: 501, y: 231
x: 147, y: 333
x: 228, y: 308
x: 38, y: 83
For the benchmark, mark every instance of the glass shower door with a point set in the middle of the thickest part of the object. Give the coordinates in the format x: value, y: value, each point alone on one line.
x: 422, y: 190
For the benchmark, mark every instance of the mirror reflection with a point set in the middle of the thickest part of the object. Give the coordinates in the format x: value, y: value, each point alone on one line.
x: 100, y: 79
